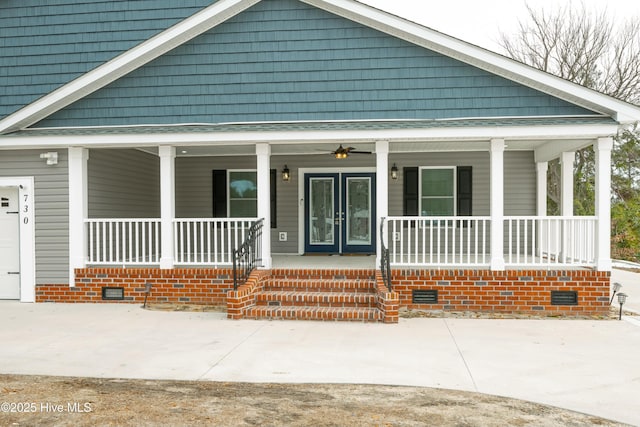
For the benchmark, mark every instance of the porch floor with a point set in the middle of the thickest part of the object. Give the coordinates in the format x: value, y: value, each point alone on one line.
x: 324, y: 261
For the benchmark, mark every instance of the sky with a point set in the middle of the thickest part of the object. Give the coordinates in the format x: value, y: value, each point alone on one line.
x: 481, y: 21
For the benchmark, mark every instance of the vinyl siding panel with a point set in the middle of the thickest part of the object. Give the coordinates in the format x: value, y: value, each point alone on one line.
x: 519, y: 183
x: 123, y: 184
x: 51, y: 201
x: 285, y: 60
x: 45, y: 44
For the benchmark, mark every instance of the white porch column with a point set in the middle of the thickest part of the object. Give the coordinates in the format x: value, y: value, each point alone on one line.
x: 497, y: 204
x: 167, y: 204
x: 78, y: 209
x: 603, y: 203
x: 566, y: 163
x: 382, y: 190
x: 541, y: 189
x: 263, y: 153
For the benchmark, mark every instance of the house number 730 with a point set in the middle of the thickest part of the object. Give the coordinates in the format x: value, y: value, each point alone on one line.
x: 25, y: 209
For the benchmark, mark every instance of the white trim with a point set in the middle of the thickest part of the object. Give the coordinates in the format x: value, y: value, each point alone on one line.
x: 481, y: 58
x: 167, y: 205
x: 382, y: 191
x: 123, y: 64
x: 263, y: 175
x: 78, y: 209
x: 26, y: 193
x: 584, y: 134
x: 602, y: 150
x: 497, y: 204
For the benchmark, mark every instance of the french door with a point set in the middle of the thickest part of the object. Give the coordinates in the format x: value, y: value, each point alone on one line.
x: 340, y: 214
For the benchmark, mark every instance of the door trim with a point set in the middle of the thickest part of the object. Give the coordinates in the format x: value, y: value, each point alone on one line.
x: 301, y: 200
x: 25, y: 187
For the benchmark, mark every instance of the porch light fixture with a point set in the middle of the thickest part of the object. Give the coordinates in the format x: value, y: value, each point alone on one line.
x: 616, y: 288
x: 51, y: 157
x: 286, y: 175
x: 622, y: 298
x: 394, y: 172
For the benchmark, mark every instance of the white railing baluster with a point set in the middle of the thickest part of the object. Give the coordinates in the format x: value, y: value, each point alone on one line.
x: 563, y: 241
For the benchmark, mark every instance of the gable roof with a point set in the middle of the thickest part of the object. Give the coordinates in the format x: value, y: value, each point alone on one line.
x: 222, y: 10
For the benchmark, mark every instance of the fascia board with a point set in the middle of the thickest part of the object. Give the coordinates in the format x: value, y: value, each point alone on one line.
x: 123, y: 64
x: 489, y: 61
x: 553, y: 132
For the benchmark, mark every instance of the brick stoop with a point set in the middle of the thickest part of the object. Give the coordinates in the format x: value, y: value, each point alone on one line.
x: 342, y: 295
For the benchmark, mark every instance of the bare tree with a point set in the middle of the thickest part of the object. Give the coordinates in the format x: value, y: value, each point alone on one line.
x: 587, y: 48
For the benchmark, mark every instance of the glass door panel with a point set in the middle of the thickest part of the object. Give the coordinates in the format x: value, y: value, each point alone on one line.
x: 358, y: 208
x: 358, y: 204
x: 321, y: 196
x: 321, y: 213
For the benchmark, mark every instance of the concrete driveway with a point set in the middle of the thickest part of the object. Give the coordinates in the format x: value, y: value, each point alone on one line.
x: 587, y: 366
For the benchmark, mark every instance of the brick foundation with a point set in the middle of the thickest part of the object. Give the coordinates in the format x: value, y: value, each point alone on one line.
x: 180, y: 285
x: 513, y: 291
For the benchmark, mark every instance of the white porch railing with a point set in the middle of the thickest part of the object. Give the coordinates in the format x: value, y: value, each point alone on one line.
x: 440, y: 241
x: 123, y: 241
x: 466, y: 241
x: 199, y: 241
x: 553, y: 241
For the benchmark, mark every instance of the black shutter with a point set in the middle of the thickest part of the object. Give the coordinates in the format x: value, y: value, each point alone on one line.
x: 410, y: 191
x: 464, y: 192
x: 219, y: 193
x: 274, y: 211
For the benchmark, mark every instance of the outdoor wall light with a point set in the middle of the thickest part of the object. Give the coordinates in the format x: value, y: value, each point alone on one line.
x: 394, y: 172
x: 51, y: 157
x: 622, y: 298
x: 286, y: 175
x: 616, y: 288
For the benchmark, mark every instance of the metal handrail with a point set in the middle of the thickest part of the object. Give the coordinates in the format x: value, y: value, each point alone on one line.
x: 385, y: 264
x: 248, y: 256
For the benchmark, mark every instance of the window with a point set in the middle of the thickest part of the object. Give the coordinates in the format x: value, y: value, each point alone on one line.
x: 437, y: 191
x: 235, y: 194
x: 243, y: 194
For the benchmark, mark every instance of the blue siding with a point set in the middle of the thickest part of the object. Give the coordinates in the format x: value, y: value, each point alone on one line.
x: 284, y: 60
x: 47, y: 43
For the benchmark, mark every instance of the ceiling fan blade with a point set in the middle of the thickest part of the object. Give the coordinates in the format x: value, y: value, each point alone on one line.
x: 360, y: 152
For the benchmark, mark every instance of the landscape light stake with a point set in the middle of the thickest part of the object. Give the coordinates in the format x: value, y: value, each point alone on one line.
x: 621, y: 300
x: 147, y: 287
x: 616, y: 288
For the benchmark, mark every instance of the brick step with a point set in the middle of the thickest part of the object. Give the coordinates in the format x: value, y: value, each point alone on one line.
x: 314, y: 313
x: 311, y: 274
x: 317, y: 299
x: 320, y: 285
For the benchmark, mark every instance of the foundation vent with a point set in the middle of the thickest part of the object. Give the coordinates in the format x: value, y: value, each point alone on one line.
x: 422, y: 296
x: 112, y: 294
x: 564, y: 298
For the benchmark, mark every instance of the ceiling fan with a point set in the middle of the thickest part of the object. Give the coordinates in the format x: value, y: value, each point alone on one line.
x: 343, y: 153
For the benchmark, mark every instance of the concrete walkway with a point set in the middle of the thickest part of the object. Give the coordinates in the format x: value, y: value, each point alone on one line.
x: 587, y: 366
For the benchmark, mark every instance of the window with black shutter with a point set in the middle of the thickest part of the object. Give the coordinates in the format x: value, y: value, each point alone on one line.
x: 239, y: 192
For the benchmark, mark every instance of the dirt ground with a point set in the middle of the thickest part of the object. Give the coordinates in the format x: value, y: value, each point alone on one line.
x: 61, y: 401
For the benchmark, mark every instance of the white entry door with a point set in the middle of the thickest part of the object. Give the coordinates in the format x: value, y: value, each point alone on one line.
x: 9, y: 244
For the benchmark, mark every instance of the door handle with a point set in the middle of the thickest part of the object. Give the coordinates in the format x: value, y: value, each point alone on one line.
x: 13, y: 272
